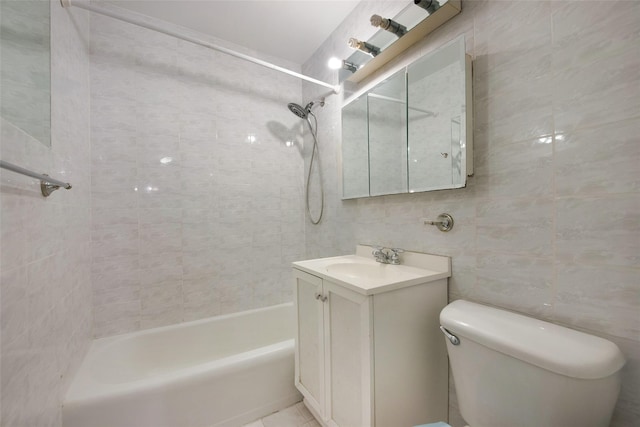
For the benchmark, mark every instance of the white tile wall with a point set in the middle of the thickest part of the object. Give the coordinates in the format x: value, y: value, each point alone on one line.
x: 46, y: 311
x: 214, y: 229
x: 549, y: 224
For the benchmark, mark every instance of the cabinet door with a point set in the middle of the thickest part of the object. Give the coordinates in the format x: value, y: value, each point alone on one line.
x: 309, y: 353
x: 348, y: 349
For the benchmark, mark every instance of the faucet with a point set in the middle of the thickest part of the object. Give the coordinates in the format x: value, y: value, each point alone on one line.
x: 387, y: 255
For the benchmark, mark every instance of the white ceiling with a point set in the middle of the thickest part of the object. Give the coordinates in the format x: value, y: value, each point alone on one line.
x: 287, y: 29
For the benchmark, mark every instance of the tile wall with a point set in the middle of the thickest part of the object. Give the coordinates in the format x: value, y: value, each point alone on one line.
x: 45, y: 290
x: 197, y: 180
x: 549, y: 225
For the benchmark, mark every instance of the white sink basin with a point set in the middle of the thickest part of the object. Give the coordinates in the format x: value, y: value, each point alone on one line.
x: 372, y: 271
x: 362, y: 274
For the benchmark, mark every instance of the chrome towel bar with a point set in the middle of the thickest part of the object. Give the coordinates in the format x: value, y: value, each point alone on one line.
x: 47, y: 184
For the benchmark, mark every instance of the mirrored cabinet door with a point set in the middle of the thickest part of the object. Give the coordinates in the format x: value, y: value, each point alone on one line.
x: 436, y: 106
x: 355, y: 149
x: 388, y: 136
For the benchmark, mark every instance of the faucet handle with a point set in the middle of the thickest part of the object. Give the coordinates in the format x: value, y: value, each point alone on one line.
x: 395, y: 255
x: 379, y: 254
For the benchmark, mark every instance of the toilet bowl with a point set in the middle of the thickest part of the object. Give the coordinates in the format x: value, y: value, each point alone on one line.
x: 513, y: 370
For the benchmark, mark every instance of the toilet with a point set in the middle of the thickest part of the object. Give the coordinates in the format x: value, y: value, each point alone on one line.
x: 511, y: 370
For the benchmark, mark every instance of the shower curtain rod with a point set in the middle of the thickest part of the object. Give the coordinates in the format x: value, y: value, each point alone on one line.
x: 132, y: 20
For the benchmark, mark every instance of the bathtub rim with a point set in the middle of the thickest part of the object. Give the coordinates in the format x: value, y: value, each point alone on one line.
x: 85, y: 389
x: 196, y: 322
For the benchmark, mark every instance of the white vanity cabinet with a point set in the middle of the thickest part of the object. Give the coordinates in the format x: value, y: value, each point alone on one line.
x: 370, y: 354
x: 334, y: 351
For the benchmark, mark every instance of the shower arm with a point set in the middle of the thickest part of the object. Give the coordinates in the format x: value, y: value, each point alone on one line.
x: 150, y: 26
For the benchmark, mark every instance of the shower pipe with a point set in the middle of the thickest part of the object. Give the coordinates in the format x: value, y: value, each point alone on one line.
x: 141, y: 23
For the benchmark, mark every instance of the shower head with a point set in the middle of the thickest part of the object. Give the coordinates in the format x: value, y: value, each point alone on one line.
x: 303, y: 112
x: 298, y: 110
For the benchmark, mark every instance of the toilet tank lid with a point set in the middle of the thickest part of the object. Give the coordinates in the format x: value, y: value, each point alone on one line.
x: 552, y: 347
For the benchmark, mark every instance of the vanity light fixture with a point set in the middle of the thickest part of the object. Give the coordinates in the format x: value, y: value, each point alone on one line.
x: 389, y: 25
x: 364, y: 46
x: 337, y: 63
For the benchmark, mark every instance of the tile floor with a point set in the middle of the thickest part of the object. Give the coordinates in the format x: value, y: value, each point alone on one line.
x: 294, y: 416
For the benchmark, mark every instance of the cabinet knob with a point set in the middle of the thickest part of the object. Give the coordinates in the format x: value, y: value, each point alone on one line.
x: 321, y: 297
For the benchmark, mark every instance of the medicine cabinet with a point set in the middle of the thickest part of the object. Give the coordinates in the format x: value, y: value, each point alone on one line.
x: 411, y: 132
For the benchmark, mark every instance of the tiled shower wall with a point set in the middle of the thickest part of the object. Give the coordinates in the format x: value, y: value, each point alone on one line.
x: 45, y: 280
x: 550, y: 224
x: 197, y: 176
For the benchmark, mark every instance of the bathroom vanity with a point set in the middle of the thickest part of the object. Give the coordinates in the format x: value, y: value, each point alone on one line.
x: 369, y: 351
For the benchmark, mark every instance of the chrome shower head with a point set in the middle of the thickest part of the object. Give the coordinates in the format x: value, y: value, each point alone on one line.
x: 298, y: 110
x: 303, y: 112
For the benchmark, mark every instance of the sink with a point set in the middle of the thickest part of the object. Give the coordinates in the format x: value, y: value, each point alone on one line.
x: 361, y: 273
x: 372, y: 271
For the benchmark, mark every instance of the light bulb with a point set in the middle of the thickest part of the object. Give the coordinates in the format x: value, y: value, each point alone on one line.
x: 389, y: 25
x: 364, y: 46
x: 337, y: 63
x: 334, y: 63
x: 428, y: 5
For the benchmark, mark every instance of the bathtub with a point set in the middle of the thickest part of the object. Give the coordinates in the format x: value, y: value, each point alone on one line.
x: 222, y: 371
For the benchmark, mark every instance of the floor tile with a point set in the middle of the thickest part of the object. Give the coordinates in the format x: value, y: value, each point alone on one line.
x: 296, y: 415
x: 290, y: 417
x: 304, y: 412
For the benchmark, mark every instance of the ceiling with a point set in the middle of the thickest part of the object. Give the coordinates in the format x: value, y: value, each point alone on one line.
x: 287, y: 29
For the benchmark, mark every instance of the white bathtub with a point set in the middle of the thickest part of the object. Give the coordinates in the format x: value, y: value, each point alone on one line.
x: 222, y: 371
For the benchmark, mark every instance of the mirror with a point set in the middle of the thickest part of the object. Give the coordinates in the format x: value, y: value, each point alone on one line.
x: 25, y: 68
x: 412, y: 131
x: 387, y: 136
x: 355, y: 178
x: 436, y: 105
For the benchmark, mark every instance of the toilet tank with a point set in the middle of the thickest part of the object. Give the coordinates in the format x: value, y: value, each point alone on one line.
x: 512, y: 370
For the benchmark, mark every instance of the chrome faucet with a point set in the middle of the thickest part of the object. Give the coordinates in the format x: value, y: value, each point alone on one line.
x: 387, y: 255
